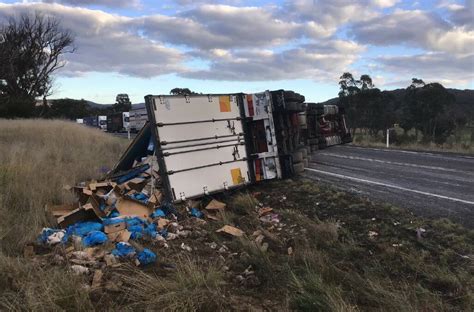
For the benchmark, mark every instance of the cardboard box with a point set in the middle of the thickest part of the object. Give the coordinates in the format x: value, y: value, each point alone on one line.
x: 61, y: 210
x: 85, y: 213
x: 116, y: 227
x: 132, y: 208
x: 120, y: 236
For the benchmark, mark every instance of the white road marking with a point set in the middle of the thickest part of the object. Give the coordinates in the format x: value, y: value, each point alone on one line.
x: 392, y: 162
x: 453, y: 156
x: 390, y: 186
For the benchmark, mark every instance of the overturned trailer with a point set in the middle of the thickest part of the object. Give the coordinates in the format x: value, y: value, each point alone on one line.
x: 204, y: 144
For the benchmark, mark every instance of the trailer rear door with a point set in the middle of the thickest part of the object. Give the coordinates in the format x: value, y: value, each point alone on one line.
x: 199, y: 143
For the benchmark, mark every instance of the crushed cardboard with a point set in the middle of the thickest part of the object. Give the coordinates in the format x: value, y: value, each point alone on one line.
x: 231, y: 230
x: 131, y: 208
x: 215, y: 205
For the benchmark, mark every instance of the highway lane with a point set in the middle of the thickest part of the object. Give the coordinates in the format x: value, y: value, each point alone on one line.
x: 430, y: 184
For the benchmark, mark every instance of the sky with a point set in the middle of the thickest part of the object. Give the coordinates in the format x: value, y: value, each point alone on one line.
x: 142, y: 47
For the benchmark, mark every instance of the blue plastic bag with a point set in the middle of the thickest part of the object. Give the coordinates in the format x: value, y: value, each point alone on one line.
x: 168, y: 208
x: 136, y: 231
x: 110, y: 220
x: 158, y: 214
x: 146, y: 257
x: 84, y: 228
x: 123, y: 249
x: 132, y: 173
x: 94, y: 238
x: 151, y: 230
x: 164, y: 233
x: 114, y: 214
x: 140, y: 197
x: 47, y: 232
x: 134, y: 221
x: 196, y: 213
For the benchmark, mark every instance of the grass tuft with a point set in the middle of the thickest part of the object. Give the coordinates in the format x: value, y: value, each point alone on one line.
x: 192, y: 287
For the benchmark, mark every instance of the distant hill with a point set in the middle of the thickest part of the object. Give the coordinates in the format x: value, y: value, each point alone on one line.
x: 97, y: 105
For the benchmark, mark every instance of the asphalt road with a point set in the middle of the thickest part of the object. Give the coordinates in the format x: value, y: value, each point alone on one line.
x: 429, y: 184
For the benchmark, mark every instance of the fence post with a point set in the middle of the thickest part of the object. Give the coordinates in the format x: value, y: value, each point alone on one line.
x: 128, y: 131
x: 388, y: 138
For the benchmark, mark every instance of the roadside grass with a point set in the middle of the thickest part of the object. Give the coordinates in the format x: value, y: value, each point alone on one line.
x: 38, y: 158
x: 321, y: 258
x: 193, y: 287
x: 28, y: 286
x: 460, y: 142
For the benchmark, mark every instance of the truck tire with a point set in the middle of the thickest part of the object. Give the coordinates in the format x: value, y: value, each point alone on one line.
x: 297, y: 157
x: 291, y: 106
x: 298, y: 168
x: 294, y: 106
x: 291, y: 96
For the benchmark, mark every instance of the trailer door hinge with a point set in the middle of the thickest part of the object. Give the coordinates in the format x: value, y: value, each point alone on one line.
x: 206, y: 190
x: 209, y: 98
x: 186, y: 97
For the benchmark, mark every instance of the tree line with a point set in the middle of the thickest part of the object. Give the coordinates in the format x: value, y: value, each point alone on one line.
x: 426, y: 108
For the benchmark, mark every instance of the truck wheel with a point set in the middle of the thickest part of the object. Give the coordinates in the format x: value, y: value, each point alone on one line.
x: 297, y: 157
x: 298, y: 167
x: 292, y: 106
x: 291, y: 96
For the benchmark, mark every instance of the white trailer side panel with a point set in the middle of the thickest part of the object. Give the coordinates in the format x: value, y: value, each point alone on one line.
x: 201, y: 143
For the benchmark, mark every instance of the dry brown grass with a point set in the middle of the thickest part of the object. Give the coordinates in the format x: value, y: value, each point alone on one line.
x: 461, y: 143
x: 39, y: 157
x: 193, y: 287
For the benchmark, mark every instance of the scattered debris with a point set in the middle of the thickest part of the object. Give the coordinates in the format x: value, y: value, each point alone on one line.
x: 420, y: 232
x: 216, y: 205
x: 79, y: 269
x: 231, y: 230
x: 373, y: 234
x: 186, y: 247
x: 97, y: 279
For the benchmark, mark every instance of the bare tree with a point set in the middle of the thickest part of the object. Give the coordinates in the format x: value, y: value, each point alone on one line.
x: 31, y: 51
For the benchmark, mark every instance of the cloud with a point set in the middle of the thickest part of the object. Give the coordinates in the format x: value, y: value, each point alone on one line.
x: 385, y: 3
x: 106, y: 3
x: 322, y: 61
x: 441, y: 67
x: 414, y: 28
x: 294, y: 40
x: 463, y: 15
x: 330, y: 15
x: 105, y: 42
x: 223, y: 26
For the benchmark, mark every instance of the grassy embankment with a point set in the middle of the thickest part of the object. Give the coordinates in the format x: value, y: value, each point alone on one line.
x: 460, y: 142
x: 335, y: 264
